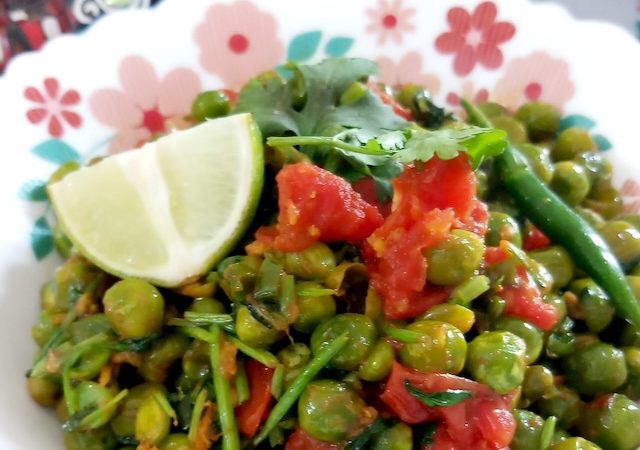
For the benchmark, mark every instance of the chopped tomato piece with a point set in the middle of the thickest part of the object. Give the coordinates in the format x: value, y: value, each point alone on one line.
x: 251, y: 413
x: 481, y: 422
x: 367, y: 189
x: 387, y: 99
x: 428, y: 202
x: 535, y: 239
x: 316, y: 205
x: 523, y: 299
x: 299, y: 440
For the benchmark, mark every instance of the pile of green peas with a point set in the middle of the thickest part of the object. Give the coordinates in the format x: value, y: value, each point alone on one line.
x: 121, y: 363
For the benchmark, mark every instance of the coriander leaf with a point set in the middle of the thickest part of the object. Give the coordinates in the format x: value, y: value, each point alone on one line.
x: 394, y: 140
x: 449, y: 397
x: 360, y: 442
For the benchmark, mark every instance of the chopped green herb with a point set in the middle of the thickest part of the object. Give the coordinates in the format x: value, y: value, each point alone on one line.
x: 438, y: 399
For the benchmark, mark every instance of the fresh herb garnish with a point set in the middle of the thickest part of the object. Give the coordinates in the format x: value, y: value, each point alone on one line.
x: 360, y: 442
x: 449, y: 397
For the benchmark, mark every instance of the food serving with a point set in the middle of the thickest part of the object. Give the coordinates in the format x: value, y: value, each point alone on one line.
x: 326, y: 262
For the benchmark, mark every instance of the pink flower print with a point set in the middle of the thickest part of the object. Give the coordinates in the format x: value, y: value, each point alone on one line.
x: 238, y: 41
x: 630, y: 191
x: 146, y: 105
x: 390, y: 20
x: 475, y: 38
x: 53, y: 107
x: 468, y: 91
x: 407, y: 70
x: 537, y: 76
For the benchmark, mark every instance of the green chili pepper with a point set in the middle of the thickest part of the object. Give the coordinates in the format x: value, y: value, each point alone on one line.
x: 562, y: 225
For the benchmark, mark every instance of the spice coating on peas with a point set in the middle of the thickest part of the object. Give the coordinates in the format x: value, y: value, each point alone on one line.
x: 441, y: 349
x: 134, y: 308
x: 361, y: 333
x: 498, y: 359
x: 330, y: 411
x: 456, y: 259
x: 595, y: 368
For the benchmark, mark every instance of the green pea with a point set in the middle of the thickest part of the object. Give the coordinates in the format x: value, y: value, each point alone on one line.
x: 91, y: 396
x: 595, y: 368
x: 61, y: 242
x: 330, y: 411
x: 538, y: 381
x: 44, y: 329
x: 574, y: 443
x: 313, y: 263
x: 624, y: 241
x: 313, y: 310
x: 633, y: 219
x: 209, y: 105
x: 176, y: 441
x: 570, y: 182
x: 457, y: 315
x: 562, y: 340
x: 570, y: 143
x: 397, y: 437
x: 62, y: 171
x: 632, y: 358
x: 540, y: 119
x: 612, y: 422
x: 362, y: 336
x: 98, y: 439
x: 294, y: 355
x: 43, y: 391
x: 564, y: 403
x: 163, y: 353
x: 456, y: 259
x: 196, y: 365
x: 72, y: 279
x: 593, y: 218
x: 538, y: 160
x: 631, y: 388
x: 491, y: 109
x: 558, y: 262
x: 123, y: 423
x: 90, y: 364
x: 516, y: 132
x: 442, y: 349
x: 531, y: 335
x: 254, y: 333
x: 503, y: 227
x: 560, y: 435
x: 135, y: 308
x: 206, y: 305
x: 378, y: 364
x: 598, y: 167
x: 630, y: 336
x: 604, y: 199
x: 152, y: 422
x: 498, y: 359
x: 353, y: 93
x: 407, y: 93
x: 528, y: 430
x: 558, y: 304
x: 595, y: 306
x: 482, y: 184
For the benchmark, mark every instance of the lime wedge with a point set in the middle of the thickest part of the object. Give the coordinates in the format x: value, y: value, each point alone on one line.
x: 170, y: 210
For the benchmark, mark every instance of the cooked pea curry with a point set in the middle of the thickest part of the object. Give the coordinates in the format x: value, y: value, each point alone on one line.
x: 411, y: 280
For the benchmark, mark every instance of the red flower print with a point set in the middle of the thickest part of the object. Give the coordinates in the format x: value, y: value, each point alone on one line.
x: 146, y: 105
x: 630, y: 191
x: 53, y: 107
x: 390, y: 20
x: 407, y: 70
x: 475, y: 38
x: 238, y: 41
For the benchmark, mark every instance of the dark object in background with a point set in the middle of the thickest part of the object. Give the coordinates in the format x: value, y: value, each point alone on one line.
x: 27, y: 24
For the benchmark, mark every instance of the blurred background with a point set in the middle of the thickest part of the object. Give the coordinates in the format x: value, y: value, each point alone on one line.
x: 27, y: 24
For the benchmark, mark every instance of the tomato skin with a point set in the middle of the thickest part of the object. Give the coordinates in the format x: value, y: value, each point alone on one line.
x: 316, y: 205
x: 523, y: 299
x: 481, y: 422
x: 250, y: 414
x: 299, y: 440
x: 535, y: 239
x: 428, y: 202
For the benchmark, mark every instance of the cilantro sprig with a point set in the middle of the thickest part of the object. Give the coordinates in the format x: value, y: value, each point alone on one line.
x: 438, y: 399
x: 408, y: 146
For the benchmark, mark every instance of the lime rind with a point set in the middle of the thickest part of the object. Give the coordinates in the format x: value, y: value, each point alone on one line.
x: 170, y: 210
